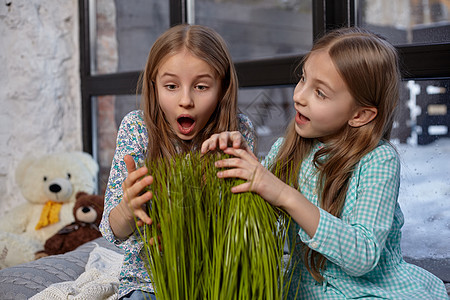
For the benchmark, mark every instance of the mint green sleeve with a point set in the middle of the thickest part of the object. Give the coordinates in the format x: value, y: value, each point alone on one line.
x: 355, y: 240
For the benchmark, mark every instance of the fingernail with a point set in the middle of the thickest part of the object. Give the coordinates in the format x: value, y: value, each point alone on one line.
x: 219, y: 174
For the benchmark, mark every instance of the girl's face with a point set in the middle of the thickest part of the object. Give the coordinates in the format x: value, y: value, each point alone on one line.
x: 322, y: 100
x: 188, y: 92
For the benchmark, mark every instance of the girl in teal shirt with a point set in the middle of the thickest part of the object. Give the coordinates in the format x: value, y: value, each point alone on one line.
x: 344, y: 191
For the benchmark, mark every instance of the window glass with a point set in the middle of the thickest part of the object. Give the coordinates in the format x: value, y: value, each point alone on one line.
x: 257, y: 29
x: 124, y: 33
x: 271, y: 110
x: 406, y: 21
x: 422, y: 137
x: 109, y: 110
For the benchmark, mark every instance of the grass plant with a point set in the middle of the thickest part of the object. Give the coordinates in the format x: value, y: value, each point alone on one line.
x: 208, y: 242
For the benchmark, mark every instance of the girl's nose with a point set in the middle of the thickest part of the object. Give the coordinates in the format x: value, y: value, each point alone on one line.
x: 186, y: 99
x: 299, y: 95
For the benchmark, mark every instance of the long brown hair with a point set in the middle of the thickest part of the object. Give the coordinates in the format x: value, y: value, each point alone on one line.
x: 208, y: 45
x: 369, y: 66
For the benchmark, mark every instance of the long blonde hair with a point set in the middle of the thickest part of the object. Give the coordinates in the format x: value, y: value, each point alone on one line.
x: 208, y: 45
x: 369, y: 66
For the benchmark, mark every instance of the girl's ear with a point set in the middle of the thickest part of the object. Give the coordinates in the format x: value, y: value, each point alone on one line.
x: 362, y: 116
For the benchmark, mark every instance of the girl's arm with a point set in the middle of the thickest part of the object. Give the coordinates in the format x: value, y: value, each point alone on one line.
x: 122, y: 219
x: 353, y: 242
x: 131, y: 139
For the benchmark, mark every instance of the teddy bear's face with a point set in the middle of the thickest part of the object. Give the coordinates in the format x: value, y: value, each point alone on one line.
x: 56, y: 177
x: 57, y: 189
x: 86, y: 214
x: 88, y: 208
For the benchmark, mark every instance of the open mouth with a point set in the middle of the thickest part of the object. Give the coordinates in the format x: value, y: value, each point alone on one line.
x: 301, y: 119
x: 185, y: 124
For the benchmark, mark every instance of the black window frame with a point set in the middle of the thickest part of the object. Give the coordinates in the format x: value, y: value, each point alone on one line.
x: 419, y: 62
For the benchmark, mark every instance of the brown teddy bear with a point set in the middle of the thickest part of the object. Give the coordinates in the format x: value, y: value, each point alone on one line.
x: 87, y: 211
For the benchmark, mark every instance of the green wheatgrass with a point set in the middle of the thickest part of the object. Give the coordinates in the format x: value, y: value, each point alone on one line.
x: 208, y: 242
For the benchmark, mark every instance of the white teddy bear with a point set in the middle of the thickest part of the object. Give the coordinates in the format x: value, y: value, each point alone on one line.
x: 49, y: 184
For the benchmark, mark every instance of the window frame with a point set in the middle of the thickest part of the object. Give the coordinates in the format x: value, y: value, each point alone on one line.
x: 418, y: 62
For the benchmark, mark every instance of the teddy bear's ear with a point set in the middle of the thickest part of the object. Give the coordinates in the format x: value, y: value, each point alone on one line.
x: 80, y: 194
x: 22, y: 168
x: 88, y: 161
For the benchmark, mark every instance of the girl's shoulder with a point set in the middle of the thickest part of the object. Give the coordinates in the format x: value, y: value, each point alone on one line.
x: 135, y: 116
x: 383, y: 150
x: 384, y: 155
x: 244, y: 122
x: 270, y: 157
x: 133, y: 119
x: 246, y: 128
x: 276, y: 146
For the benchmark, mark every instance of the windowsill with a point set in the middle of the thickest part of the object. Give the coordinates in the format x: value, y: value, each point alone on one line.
x: 439, y: 267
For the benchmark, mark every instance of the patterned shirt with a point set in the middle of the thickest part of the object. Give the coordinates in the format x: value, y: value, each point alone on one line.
x: 132, y: 139
x: 362, y: 247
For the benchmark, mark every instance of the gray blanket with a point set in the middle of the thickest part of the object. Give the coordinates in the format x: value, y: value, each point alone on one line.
x: 26, y: 280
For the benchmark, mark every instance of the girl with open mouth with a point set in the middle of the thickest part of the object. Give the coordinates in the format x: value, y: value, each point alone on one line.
x: 338, y: 176
x: 189, y: 91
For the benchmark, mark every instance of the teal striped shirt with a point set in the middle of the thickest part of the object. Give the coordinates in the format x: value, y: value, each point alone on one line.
x: 362, y: 247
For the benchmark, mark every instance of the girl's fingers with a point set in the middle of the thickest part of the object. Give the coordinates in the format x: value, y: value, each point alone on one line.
x: 143, y: 218
x: 232, y: 139
x: 242, y: 188
x: 246, y: 155
x: 129, y: 162
x: 225, y: 140
x: 238, y: 141
x: 131, y: 189
x: 136, y: 204
x: 136, y: 175
x: 236, y: 173
x: 136, y: 180
x: 237, y: 167
x: 138, y: 207
x: 210, y: 144
x: 133, y: 173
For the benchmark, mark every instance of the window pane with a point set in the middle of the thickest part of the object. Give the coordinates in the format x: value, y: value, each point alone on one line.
x: 110, y: 110
x: 271, y: 110
x: 125, y: 32
x: 422, y: 137
x: 257, y: 29
x: 407, y: 21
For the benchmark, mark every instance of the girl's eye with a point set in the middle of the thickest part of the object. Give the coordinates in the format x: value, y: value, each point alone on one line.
x: 201, y: 87
x: 302, y: 78
x: 171, y: 86
x: 320, y: 94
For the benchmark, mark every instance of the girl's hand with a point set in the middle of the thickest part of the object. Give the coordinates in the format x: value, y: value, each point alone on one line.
x: 271, y: 188
x: 133, y: 186
x: 122, y: 217
x: 259, y: 179
x: 225, y: 140
x: 136, y: 202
